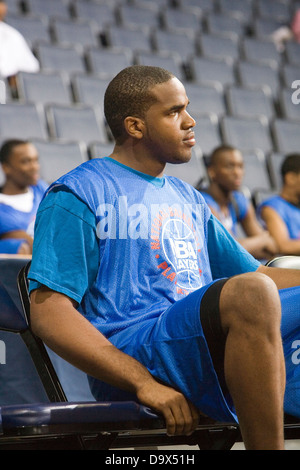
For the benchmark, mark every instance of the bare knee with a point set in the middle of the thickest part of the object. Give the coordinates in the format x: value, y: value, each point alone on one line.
x: 250, y: 300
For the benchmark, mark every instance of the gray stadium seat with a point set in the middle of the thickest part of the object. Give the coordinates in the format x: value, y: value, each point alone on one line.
x: 32, y: 27
x: 254, y: 75
x: 290, y: 110
x: 170, y: 41
x: 207, y: 133
x: 217, y: 46
x: 83, y: 33
x: 241, y: 8
x: 256, y: 175
x: 264, y: 27
x: 205, y: 71
x: 22, y: 121
x: 100, y: 149
x: 108, y: 62
x: 190, y: 172
x: 101, y: 13
x: 292, y: 52
x: 203, y: 5
x: 58, y: 158
x: 249, y: 103
x: 177, y: 19
x: 66, y: 59
x: 286, y: 136
x: 89, y: 89
x: 168, y: 60
x: 246, y: 134
x: 136, y: 39
x: 274, y: 9
x: 78, y: 122
x: 275, y: 161
x: 133, y: 15
x: 289, y: 73
x: 205, y: 99
x: 51, y: 9
x: 223, y: 23
x: 260, y: 51
x: 43, y: 87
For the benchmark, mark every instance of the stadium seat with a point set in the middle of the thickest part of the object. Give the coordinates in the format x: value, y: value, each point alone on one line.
x: 177, y: 19
x: 205, y: 99
x: 33, y: 27
x: 43, y: 87
x: 260, y: 51
x: 75, y: 121
x: 240, y: 8
x: 203, y: 5
x: 205, y: 71
x: 254, y: 75
x: 249, y: 103
x: 263, y: 28
x: 292, y: 52
x: 168, y: 60
x: 218, y: 46
x: 134, y: 38
x: 170, y: 41
x: 22, y: 121
x: 57, y: 158
x: 290, y: 110
x: 132, y: 15
x: 100, y: 150
x: 108, y: 62
x: 83, y: 33
x: 190, y: 172
x: 58, y: 58
x: 207, y: 132
x: 275, y: 9
x: 290, y: 73
x: 222, y: 23
x: 275, y: 161
x: 53, y: 9
x: 101, y: 13
x: 89, y: 89
x: 286, y: 136
x: 246, y: 134
x: 256, y: 175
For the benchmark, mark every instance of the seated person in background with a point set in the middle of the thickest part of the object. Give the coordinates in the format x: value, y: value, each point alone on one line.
x: 15, y: 54
x: 20, y: 196
x: 230, y: 206
x: 281, y: 213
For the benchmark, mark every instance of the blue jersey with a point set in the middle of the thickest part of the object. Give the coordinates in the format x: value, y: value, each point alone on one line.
x: 238, y: 209
x: 169, y: 242
x: 289, y: 213
x: 12, y: 219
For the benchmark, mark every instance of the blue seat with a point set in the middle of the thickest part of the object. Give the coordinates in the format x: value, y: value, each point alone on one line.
x: 22, y: 121
x: 286, y: 136
x: 43, y: 87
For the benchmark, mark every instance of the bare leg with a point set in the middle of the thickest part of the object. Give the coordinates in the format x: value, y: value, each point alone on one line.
x: 254, y: 363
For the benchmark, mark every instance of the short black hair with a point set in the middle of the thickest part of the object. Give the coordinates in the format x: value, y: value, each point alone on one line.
x: 8, y: 146
x: 129, y: 94
x: 217, y: 151
x: 291, y: 163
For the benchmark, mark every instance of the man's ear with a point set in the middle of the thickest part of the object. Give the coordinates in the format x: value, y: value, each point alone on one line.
x: 134, y: 127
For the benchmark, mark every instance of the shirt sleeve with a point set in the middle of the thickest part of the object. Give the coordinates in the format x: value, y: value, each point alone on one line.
x: 65, y: 251
x: 227, y: 257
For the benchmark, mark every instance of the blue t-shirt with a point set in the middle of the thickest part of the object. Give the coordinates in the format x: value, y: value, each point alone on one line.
x: 126, y: 246
x: 12, y: 219
x: 238, y: 209
x: 289, y: 213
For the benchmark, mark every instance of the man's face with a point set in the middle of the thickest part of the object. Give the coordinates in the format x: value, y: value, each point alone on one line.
x: 168, y: 134
x: 228, y: 172
x: 23, y: 166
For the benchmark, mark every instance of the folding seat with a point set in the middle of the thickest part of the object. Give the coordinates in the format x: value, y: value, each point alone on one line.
x: 217, y: 46
x: 205, y: 71
x: 286, y: 136
x: 254, y: 75
x: 89, y: 89
x: 108, y: 62
x: 249, y: 102
x: 80, y: 32
x: 276, y: 9
x: 292, y: 53
x: 43, y: 87
x: 246, y: 134
x: 241, y: 8
x: 22, y: 121
x: 100, y: 149
x: 207, y: 133
x: 205, y: 99
x: 51, y: 9
x: 66, y: 59
x: 83, y: 123
x: 179, y: 42
x: 223, y: 23
x: 256, y: 174
x: 290, y: 73
x: 289, y: 105
x: 133, y: 38
x: 260, y: 51
x: 168, y: 60
x: 101, y: 13
x: 203, y: 5
x: 264, y: 27
x: 177, y: 19
x: 57, y: 158
x: 190, y: 172
x: 33, y: 27
x: 137, y: 15
x: 275, y: 161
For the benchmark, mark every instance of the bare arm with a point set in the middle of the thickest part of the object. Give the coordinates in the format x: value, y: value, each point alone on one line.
x: 283, y: 278
x: 56, y: 321
x: 278, y: 230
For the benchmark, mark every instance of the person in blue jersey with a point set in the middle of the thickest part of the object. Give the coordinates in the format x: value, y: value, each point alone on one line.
x: 281, y: 213
x: 20, y: 196
x: 229, y: 204
x: 134, y: 281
